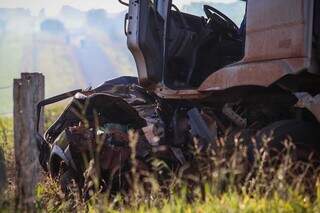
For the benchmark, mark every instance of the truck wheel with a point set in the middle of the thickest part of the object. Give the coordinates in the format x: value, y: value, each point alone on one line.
x: 304, y: 135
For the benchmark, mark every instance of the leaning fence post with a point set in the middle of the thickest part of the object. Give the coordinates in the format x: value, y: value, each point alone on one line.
x: 27, y: 92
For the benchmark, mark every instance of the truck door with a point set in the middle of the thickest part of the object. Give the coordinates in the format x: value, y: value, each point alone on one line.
x: 144, y: 27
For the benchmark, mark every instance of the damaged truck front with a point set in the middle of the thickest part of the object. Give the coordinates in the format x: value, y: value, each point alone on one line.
x: 200, y: 79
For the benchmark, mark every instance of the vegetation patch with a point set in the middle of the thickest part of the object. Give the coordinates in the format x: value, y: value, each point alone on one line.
x: 225, y: 185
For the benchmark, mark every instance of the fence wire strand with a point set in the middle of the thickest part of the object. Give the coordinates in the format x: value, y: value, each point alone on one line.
x: 6, y: 87
x: 6, y: 113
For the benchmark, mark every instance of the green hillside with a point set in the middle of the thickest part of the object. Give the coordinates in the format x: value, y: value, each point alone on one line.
x: 55, y: 60
x: 28, y: 53
x: 76, y: 55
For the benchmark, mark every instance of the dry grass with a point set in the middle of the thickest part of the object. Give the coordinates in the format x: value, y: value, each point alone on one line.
x: 221, y: 181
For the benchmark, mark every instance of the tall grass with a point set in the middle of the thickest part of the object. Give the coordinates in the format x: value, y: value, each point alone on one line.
x: 215, y: 181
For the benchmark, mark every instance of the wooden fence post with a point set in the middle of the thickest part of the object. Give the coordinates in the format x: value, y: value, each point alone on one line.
x: 27, y: 92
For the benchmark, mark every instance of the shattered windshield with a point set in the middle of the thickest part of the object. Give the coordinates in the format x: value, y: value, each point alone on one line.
x: 234, y: 9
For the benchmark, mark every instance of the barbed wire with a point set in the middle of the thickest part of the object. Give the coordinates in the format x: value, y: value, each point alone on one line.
x: 6, y: 113
x: 6, y: 87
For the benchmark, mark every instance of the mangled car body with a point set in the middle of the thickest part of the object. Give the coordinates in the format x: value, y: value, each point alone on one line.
x: 199, y: 79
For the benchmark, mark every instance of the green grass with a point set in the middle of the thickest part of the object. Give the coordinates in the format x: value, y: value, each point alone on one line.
x: 231, y: 201
x: 11, y: 59
x: 6, y: 139
x: 222, y: 190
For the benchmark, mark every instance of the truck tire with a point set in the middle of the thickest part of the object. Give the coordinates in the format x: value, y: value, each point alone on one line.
x: 304, y: 135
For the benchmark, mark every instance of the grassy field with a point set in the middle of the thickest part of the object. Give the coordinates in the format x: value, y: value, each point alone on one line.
x: 11, y: 54
x: 272, y: 189
x: 56, y: 61
x: 30, y: 52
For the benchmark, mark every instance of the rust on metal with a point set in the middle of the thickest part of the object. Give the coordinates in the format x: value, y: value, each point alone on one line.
x: 257, y: 73
x: 165, y: 92
x: 276, y: 31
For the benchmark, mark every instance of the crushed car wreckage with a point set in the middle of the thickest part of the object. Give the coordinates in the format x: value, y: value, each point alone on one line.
x: 96, y: 125
x: 101, y: 127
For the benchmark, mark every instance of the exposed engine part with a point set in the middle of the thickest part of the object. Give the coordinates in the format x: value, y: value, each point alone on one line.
x: 233, y: 116
x: 154, y: 133
x: 180, y: 125
x: 200, y: 129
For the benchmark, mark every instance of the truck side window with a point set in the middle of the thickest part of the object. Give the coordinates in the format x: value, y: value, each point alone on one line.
x: 204, y: 36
